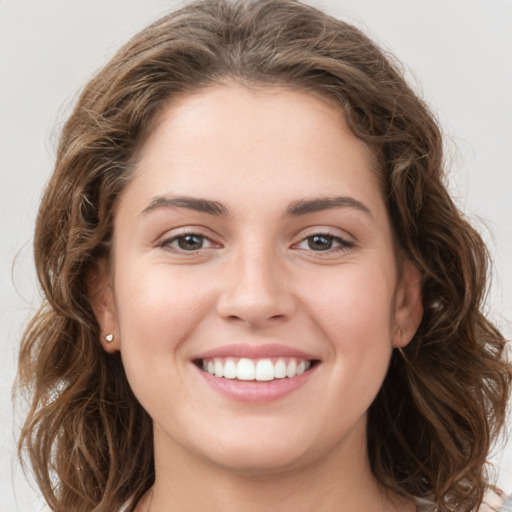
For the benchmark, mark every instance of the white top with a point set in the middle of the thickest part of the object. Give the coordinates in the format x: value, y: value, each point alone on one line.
x: 492, y: 503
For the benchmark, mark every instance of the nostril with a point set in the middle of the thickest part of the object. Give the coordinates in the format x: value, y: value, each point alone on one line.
x: 254, y: 293
x: 250, y: 318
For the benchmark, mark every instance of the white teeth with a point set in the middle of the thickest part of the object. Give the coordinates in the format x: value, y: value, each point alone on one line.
x: 245, y: 369
x: 264, y: 370
x: 260, y: 369
x: 219, y: 369
x: 291, y: 369
x: 230, y: 369
x: 280, y: 369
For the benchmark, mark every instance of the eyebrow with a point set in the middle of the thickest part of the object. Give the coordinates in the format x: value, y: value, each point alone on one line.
x: 190, y: 203
x: 306, y: 206
x: 295, y: 209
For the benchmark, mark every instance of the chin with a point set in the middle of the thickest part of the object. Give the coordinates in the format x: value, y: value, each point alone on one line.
x: 254, y: 461
x: 264, y: 451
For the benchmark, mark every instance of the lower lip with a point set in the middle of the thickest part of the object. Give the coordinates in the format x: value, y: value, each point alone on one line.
x: 256, y: 391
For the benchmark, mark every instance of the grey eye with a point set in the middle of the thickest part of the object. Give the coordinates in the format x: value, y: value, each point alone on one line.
x: 190, y: 242
x: 320, y: 242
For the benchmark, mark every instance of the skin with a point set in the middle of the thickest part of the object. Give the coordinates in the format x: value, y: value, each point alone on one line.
x: 257, y: 279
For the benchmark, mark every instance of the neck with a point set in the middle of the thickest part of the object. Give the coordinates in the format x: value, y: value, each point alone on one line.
x: 341, y: 481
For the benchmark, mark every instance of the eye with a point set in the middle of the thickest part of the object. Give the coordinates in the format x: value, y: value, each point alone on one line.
x: 190, y: 242
x: 187, y: 242
x: 322, y: 242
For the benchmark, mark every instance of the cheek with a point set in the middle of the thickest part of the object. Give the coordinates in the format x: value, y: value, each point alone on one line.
x: 156, y: 298
x: 353, y: 308
x: 357, y: 299
x: 355, y: 312
x: 157, y: 309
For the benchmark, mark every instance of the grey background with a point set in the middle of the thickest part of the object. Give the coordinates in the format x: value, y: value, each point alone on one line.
x: 457, y: 53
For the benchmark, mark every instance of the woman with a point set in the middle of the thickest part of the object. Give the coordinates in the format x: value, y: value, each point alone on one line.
x: 255, y: 279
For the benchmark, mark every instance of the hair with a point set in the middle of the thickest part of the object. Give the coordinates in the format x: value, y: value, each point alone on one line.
x: 443, y: 401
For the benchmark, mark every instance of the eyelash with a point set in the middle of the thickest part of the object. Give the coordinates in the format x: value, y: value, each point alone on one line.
x: 342, y: 244
x: 167, y: 243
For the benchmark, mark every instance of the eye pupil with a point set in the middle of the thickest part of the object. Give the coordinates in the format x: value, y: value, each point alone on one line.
x: 320, y: 242
x: 190, y: 242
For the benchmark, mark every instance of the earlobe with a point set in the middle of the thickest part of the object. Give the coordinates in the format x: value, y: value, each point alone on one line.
x: 101, y: 298
x: 408, y: 305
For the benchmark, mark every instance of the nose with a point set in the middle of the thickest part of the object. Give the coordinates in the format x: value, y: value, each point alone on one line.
x: 256, y: 291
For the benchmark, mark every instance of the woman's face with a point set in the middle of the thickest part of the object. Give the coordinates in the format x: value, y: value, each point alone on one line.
x: 255, y: 295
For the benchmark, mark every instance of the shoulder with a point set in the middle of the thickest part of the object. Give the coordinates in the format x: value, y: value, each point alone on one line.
x: 505, y: 505
x: 494, y: 502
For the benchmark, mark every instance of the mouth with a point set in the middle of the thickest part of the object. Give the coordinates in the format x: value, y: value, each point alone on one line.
x: 257, y: 370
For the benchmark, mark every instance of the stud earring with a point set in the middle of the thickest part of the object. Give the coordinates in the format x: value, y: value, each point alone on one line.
x: 109, y: 338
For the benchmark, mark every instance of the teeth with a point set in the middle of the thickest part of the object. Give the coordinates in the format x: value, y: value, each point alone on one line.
x: 245, y: 369
x: 264, y: 370
x: 291, y: 369
x: 219, y: 369
x: 230, y: 369
x: 280, y: 369
x: 260, y: 370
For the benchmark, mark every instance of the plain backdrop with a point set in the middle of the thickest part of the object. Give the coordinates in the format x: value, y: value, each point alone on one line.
x: 457, y: 54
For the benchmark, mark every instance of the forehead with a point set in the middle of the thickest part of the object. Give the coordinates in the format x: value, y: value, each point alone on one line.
x: 208, y: 114
x: 233, y: 138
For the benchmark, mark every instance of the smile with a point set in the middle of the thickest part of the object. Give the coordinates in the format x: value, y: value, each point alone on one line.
x: 256, y: 373
x: 263, y: 370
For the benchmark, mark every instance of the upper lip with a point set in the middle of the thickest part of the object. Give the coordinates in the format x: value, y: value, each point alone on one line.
x: 255, y: 351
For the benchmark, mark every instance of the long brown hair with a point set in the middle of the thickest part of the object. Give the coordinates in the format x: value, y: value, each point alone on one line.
x: 444, y: 399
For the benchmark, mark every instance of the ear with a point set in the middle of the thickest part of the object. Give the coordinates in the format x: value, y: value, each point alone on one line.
x: 101, y: 298
x: 408, y: 304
